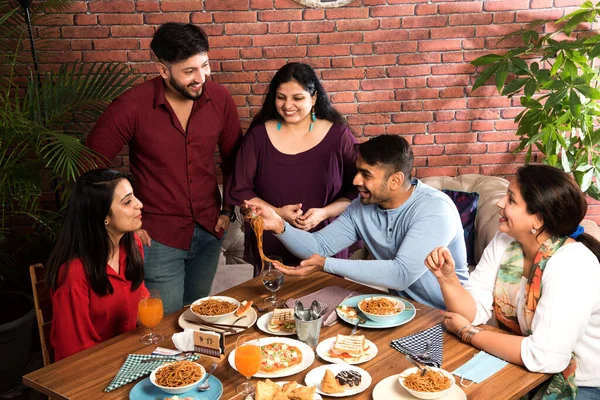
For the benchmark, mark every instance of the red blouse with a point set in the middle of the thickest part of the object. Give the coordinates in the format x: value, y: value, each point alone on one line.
x: 81, y: 318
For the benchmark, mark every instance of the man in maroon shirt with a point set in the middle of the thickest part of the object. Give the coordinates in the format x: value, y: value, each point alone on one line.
x: 173, y: 124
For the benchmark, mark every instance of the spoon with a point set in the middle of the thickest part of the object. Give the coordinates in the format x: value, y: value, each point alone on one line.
x: 413, y: 362
x: 298, y: 310
x: 315, y: 310
x: 205, y: 385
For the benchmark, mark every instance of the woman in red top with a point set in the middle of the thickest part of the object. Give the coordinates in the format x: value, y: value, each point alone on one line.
x: 95, y: 271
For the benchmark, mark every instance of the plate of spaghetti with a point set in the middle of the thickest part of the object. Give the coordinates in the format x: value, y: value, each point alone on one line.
x: 177, y: 377
x: 370, y: 320
x: 214, y: 308
x: 390, y: 389
x: 146, y: 390
x: 434, y: 384
x: 381, y: 308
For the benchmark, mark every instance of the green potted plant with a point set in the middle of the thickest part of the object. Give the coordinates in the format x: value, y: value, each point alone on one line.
x: 42, y: 120
x: 556, y: 76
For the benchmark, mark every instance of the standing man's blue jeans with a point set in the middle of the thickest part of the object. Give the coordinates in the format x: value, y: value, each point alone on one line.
x: 182, y: 276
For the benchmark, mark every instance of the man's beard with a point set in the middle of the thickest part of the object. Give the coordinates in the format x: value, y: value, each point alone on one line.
x: 182, y: 90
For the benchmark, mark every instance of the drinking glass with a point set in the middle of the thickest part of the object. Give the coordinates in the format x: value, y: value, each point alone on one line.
x: 272, y: 278
x: 150, y: 313
x: 247, y: 359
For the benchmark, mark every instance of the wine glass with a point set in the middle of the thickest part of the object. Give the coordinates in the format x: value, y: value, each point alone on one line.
x: 247, y: 359
x: 150, y: 313
x: 272, y: 278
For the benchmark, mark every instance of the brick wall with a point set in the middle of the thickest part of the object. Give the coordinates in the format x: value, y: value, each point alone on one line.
x: 391, y: 66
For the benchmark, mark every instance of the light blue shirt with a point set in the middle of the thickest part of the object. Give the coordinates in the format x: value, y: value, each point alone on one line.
x: 398, y: 239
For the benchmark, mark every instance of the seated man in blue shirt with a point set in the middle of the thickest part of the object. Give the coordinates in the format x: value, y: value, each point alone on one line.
x: 399, y: 220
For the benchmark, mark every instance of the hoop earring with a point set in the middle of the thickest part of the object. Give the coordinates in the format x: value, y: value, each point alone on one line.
x: 313, y: 118
x: 533, y: 231
x: 105, y: 222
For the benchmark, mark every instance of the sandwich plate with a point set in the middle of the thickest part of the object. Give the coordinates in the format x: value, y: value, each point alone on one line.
x: 390, y: 389
x: 308, y: 357
x: 244, y: 323
x: 326, y: 345
x: 315, y: 376
x: 263, y: 322
x: 401, y: 319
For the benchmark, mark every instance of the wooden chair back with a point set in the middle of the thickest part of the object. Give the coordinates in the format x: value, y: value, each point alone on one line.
x: 43, y: 310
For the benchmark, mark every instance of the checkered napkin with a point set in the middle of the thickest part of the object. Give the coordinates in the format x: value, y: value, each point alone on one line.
x: 416, y: 344
x: 329, y: 296
x: 132, y: 369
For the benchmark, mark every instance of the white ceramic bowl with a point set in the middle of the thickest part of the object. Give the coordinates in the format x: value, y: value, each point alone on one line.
x: 427, y: 395
x: 382, y: 319
x: 215, y: 318
x: 175, y: 390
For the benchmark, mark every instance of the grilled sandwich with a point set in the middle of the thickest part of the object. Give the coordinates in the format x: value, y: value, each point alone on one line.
x: 282, y: 321
x: 353, y: 346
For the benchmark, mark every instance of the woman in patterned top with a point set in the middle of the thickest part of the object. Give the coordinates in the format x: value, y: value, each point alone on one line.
x: 541, y: 276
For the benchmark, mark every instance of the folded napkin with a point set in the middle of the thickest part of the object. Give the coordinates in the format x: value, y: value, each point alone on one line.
x: 133, y: 369
x: 415, y: 345
x: 331, y: 296
x: 184, y: 341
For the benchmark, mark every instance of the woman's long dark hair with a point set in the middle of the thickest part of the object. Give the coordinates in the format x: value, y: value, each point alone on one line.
x: 84, y: 235
x: 554, y: 196
x: 307, y: 78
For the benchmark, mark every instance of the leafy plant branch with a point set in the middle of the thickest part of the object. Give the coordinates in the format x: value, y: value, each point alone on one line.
x: 558, y: 91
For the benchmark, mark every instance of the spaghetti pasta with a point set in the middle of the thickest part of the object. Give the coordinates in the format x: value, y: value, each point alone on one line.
x: 178, y: 374
x: 258, y: 225
x: 212, y: 307
x: 379, y: 306
x: 432, y: 381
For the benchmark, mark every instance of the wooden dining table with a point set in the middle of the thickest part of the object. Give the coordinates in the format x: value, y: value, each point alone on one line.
x: 86, y: 374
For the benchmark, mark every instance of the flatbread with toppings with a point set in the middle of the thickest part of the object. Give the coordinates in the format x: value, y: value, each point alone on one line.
x: 277, y: 357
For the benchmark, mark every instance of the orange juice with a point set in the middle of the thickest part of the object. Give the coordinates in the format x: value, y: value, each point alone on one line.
x: 248, y: 359
x: 150, y: 312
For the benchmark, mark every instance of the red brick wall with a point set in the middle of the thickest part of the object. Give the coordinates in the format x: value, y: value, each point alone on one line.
x: 391, y: 66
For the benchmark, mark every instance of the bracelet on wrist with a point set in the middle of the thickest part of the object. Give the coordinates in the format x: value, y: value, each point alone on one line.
x: 282, y: 232
x: 467, y: 336
x: 460, y: 331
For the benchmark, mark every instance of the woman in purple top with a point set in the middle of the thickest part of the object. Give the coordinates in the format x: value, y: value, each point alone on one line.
x: 297, y: 157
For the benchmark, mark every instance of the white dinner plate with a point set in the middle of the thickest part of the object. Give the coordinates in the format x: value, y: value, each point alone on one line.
x: 326, y: 345
x: 243, y: 323
x: 308, y: 357
x: 390, y: 389
x: 263, y: 321
x: 405, y: 316
x: 315, y: 376
x: 317, y: 396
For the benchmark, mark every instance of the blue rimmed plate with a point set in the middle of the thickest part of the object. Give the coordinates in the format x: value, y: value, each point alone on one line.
x: 401, y: 319
x: 145, y: 390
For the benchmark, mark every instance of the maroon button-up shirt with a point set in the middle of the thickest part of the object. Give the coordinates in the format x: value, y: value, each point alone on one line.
x: 175, y: 175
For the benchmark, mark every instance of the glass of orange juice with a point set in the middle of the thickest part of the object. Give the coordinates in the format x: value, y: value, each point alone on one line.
x: 248, y: 359
x: 150, y: 313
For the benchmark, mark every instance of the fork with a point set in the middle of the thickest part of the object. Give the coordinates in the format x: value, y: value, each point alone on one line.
x: 177, y: 357
x: 355, y: 326
x: 240, y: 318
x: 414, y: 362
x: 426, y: 354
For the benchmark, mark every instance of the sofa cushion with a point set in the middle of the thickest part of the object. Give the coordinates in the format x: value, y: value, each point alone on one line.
x: 490, y: 189
x: 466, y: 204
